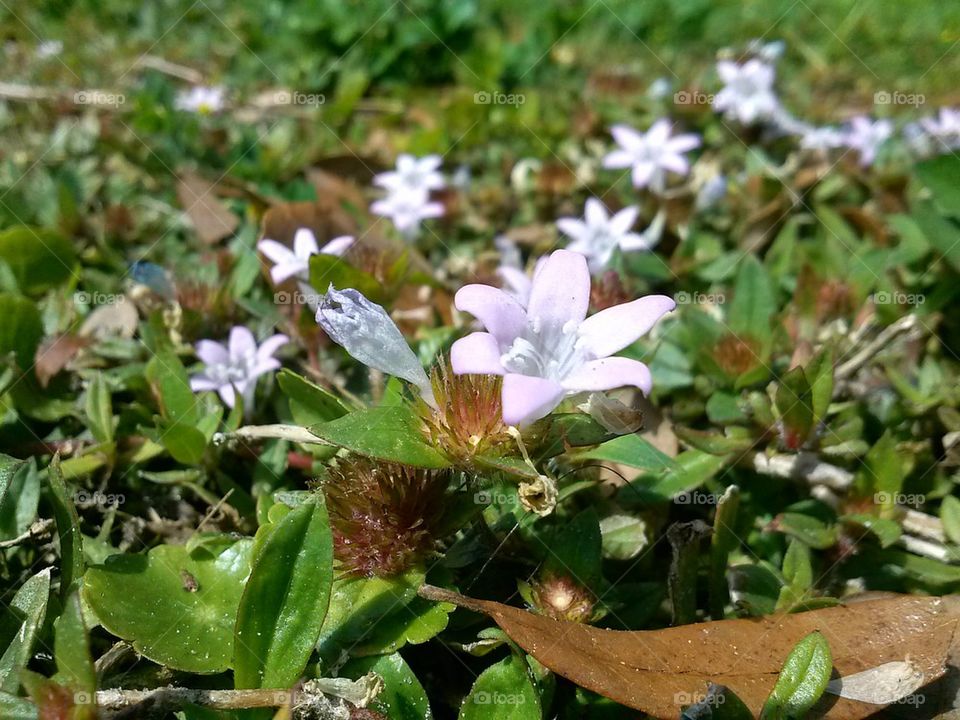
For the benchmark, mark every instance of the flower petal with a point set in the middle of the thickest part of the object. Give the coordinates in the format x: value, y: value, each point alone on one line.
x: 594, y: 212
x: 561, y: 291
x: 501, y: 315
x: 241, y: 342
x: 527, y: 398
x: 607, y: 374
x: 642, y: 174
x: 338, y: 246
x: 228, y: 395
x: 627, y: 138
x: 270, y: 346
x: 275, y: 251
x: 621, y: 223
x: 304, y: 244
x: 284, y: 270
x: 199, y: 383
x: 573, y: 228
x: 477, y: 353
x: 212, y: 353
x: 611, y: 330
x: 618, y: 159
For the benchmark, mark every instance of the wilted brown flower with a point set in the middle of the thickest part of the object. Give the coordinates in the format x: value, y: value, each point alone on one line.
x: 383, y: 515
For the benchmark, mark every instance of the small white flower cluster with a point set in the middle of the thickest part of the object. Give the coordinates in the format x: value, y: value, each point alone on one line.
x: 407, y: 202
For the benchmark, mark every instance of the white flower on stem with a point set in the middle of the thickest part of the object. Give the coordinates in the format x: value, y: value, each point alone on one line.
x: 369, y: 334
x: 867, y: 136
x: 413, y: 173
x: 747, y: 95
x: 943, y: 129
x: 234, y: 368
x: 201, y: 99
x: 599, y: 233
x: 651, y: 155
x: 822, y: 139
x: 407, y: 208
x: 289, y: 263
x: 551, y: 349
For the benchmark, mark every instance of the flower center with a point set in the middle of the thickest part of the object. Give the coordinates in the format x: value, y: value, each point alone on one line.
x: 545, y: 351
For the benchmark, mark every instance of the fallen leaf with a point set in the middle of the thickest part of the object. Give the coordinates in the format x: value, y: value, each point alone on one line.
x: 116, y: 319
x: 657, y: 671
x: 325, y: 218
x: 54, y: 354
x: 212, y: 220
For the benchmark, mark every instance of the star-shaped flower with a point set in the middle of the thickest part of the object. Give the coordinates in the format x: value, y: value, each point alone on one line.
x: 944, y: 129
x: 407, y: 208
x: 296, y: 263
x: 651, y: 155
x: 599, y: 233
x: 866, y: 136
x: 235, y: 367
x: 413, y: 173
x: 747, y: 95
x: 551, y: 349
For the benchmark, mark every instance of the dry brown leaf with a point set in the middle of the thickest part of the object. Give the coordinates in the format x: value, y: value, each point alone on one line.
x: 656, y: 671
x: 54, y: 354
x: 212, y: 220
x: 326, y: 218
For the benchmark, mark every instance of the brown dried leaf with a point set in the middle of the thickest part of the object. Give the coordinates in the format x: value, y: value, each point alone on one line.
x: 325, y: 217
x: 657, y: 671
x: 212, y: 220
x: 54, y: 354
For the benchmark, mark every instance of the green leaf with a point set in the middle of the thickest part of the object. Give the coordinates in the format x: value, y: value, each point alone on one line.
x: 98, y: 409
x: 21, y: 329
x: 71, y: 649
x: 72, y: 564
x: 886, y: 531
x: 402, y: 697
x: 754, y: 304
x: 713, y: 442
x: 624, y: 536
x: 28, y: 610
x: 723, y: 541
x: 630, y: 450
x: 309, y: 403
x: 555, y: 433
x: 17, y: 708
x: 575, y: 550
x: 802, y: 680
x: 327, y: 270
x: 881, y: 475
x: 755, y: 588
x: 941, y: 232
x: 819, y: 372
x: 169, y: 378
x: 176, y: 608
x: 386, y: 433
x: 798, y: 574
x: 40, y: 259
x: 950, y: 517
x: 503, y: 691
x: 720, y: 703
x: 692, y: 468
x: 372, y: 616
x: 285, y: 600
x: 794, y: 402
x: 940, y: 175
x: 814, y: 532
x: 19, y: 496
x: 186, y: 444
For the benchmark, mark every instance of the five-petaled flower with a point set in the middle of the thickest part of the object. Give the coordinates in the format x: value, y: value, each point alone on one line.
x: 652, y: 154
x: 747, y: 94
x: 413, y: 173
x: 407, y: 207
x: 599, y: 233
x: 296, y: 263
x: 235, y: 367
x: 866, y: 136
x: 551, y: 349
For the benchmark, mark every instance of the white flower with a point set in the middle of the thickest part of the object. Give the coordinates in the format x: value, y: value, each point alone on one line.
x: 49, y: 48
x: 413, y: 173
x: 407, y: 208
x: 550, y: 349
x: 747, y: 94
x: 652, y: 154
x: 201, y: 99
x: 296, y: 263
x: 235, y: 367
x: 821, y: 139
x: 866, y: 136
x: 944, y: 129
x: 364, y: 330
x: 599, y: 234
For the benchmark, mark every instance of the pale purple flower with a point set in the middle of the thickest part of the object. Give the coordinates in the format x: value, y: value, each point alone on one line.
x: 407, y: 208
x: 944, y: 129
x: 289, y: 263
x: 821, y: 139
x: 369, y: 334
x: 234, y: 368
x: 413, y: 173
x: 599, y: 233
x: 551, y: 349
x: 652, y: 154
x: 201, y: 99
x: 866, y: 136
x: 747, y: 94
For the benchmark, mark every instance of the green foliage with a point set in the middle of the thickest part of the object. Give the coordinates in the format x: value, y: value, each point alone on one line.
x: 803, y: 678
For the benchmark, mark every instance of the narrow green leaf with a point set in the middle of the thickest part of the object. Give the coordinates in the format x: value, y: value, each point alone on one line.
x: 327, y: 270
x: 754, y: 304
x: 630, y: 450
x: 72, y: 564
x: 803, y: 678
x: 575, y: 549
x: 40, y: 259
x: 950, y: 517
x: 21, y: 329
x: 29, y: 607
x: 169, y: 378
x: 794, y: 403
x: 722, y: 543
x: 98, y: 409
x: 71, y: 649
x: 309, y: 403
x: 285, y: 600
x: 17, y: 708
x: 819, y: 372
